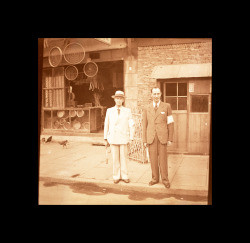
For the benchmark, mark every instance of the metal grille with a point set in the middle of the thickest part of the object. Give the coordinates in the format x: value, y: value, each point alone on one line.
x: 136, y: 150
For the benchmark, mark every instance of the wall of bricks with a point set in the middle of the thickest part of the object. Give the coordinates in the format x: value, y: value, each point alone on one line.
x: 151, y: 56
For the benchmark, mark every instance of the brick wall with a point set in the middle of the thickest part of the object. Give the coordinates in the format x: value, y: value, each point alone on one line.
x: 151, y: 56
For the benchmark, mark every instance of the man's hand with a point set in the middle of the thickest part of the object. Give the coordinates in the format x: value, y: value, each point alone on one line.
x: 169, y: 143
x: 106, y: 142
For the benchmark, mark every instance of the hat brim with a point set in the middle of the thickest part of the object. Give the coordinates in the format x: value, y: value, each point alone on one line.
x: 115, y: 96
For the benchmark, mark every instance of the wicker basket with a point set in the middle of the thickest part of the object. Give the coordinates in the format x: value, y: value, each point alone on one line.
x: 80, y: 113
x: 60, y: 114
x: 74, y: 53
x: 72, y: 113
x: 55, y: 56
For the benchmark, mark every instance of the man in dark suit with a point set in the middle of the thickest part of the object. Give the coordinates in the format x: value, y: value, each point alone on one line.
x: 158, y: 129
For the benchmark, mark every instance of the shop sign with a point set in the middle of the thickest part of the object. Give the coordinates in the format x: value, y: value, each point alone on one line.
x: 191, y: 87
x: 104, y: 40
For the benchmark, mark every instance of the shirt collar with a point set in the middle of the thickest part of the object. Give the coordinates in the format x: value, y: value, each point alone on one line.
x: 157, y: 103
x: 119, y: 107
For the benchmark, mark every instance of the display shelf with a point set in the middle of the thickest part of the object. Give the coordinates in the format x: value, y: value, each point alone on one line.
x: 78, y: 119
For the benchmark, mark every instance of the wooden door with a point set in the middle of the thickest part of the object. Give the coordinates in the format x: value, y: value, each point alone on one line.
x: 199, y: 116
x: 175, y: 93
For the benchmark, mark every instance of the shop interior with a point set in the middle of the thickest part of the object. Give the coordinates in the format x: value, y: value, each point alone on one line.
x: 108, y: 79
x: 85, y: 99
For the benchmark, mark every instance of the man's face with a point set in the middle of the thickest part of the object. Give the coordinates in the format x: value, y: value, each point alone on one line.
x: 119, y: 101
x: 156, y: 95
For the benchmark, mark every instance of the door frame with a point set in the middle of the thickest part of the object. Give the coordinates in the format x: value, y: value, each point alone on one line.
x: 174, y: 80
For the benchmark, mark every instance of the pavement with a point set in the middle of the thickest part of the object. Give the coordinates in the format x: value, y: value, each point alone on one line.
x: 83, y: 162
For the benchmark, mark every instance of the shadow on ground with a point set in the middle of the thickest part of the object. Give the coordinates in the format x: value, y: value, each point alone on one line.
x: 90, y: 189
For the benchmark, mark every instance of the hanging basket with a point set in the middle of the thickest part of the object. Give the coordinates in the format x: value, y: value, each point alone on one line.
x: 74, y: 53
x: 90, y: 69
x: 71, y: 72
x: 55, y: 56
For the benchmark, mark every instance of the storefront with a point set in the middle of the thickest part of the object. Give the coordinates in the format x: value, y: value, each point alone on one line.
x: 81, y: 74
x: 79, y: 77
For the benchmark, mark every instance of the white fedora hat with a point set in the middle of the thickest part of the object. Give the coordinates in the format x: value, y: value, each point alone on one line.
x: 118, y: 93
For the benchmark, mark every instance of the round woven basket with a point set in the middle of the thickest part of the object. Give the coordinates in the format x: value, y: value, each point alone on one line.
x: 55, y: 56
x: 86, y: 126
x: 76, y: 125
x: 80, y: 113
x: 71, y: 72
x: 60, y: 114
x: 66, y: 125
x: 74, y: 53
x: 90, y: 69
x: 62, y: 121
x: 72, y: 113
x: 56, y: 124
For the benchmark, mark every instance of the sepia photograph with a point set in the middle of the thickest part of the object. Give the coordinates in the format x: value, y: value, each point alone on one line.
x: 125, y: 121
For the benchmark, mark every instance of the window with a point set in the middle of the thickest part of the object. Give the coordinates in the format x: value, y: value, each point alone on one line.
x: 53, y: 88
x: 199, y: 103
x: 176, y: 95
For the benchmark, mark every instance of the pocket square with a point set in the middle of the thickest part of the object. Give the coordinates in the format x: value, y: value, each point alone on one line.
x: 162, y: 112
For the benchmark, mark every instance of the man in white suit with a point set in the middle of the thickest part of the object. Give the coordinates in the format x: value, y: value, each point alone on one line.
x: 118, y: 132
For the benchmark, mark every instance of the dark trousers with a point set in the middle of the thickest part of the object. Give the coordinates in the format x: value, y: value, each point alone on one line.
x: 157, y: 149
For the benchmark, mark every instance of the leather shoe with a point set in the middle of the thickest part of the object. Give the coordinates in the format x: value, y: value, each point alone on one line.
x: 151, y: 183
x: 116, y: 181
x: 126, y: 180
x: 167, y: 184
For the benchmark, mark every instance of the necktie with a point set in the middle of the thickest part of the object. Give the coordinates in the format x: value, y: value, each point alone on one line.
x: 156, y: 107
x: 118, y: 111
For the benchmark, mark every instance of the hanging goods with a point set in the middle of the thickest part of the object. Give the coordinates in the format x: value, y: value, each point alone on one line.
x: 71, y: 72
x: 55, y: 56
x: 74, y: 53
x: 90, y: 69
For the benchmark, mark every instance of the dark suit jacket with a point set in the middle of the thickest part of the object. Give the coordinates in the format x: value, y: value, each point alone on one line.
x: 157, y: 123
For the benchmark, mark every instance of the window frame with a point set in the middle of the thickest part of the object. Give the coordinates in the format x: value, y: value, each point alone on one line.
x: 196, y: 112
x: 177, y: 96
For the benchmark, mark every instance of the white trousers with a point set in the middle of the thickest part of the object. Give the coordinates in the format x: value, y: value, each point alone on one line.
x: 119, y: 156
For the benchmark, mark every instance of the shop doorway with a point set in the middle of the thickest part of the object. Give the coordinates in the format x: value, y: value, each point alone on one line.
x: 108, y: 79
x: 97, y: 91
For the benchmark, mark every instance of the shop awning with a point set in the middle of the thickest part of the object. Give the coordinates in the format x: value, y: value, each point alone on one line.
x: 182, y: 71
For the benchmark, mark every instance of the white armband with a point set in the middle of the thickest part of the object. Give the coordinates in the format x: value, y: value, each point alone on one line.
x: 131, y: 122
x: 170, y: 119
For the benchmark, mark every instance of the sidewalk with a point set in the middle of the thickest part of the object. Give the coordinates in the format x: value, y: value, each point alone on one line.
x: 83, y: 162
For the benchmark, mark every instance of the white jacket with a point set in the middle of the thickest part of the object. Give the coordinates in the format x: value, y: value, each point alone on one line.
x: 118, y: 129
